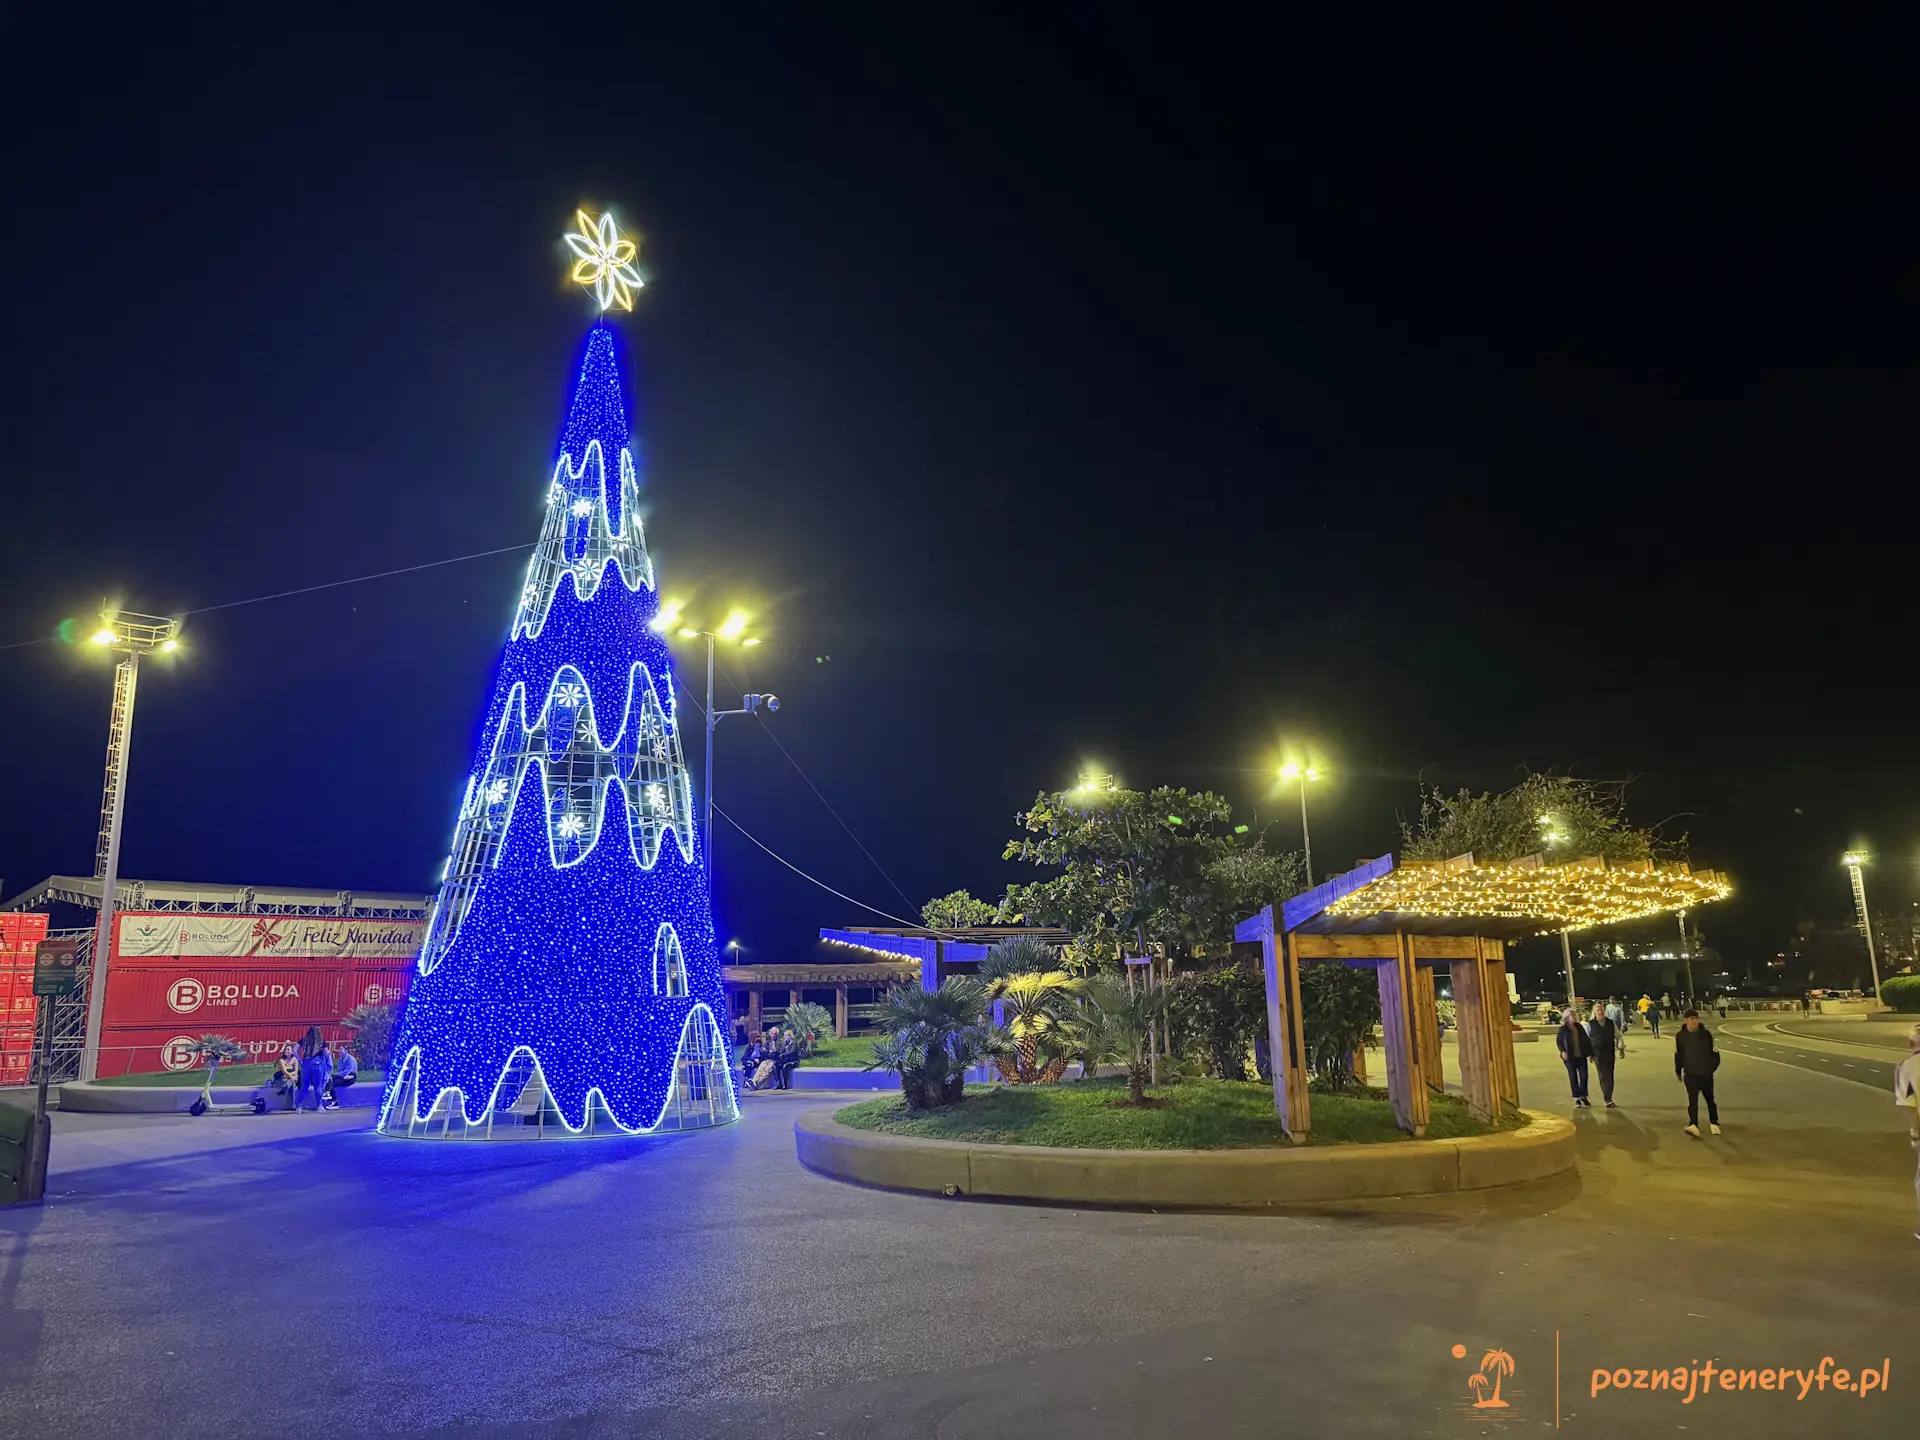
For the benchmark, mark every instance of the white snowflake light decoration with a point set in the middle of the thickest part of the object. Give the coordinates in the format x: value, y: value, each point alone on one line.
x: 605, y: 261
x: 572, y: 826
x: 582, y: 507
x: 497, y: 792
x: 657, y: 797
x: 569, y: 695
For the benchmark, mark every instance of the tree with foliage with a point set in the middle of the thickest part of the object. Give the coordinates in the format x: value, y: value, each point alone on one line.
x: 1223, y: 1009
x: 930, y: 1038
x: 957, y: 911
x: 1557, y: 816
x: 1119, y: 1022
x: 1140, y: 868
x: 1339, y: 1006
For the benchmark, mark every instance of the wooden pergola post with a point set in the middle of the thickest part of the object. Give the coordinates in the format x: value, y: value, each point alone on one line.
x: 1506, y: 1078
x: 753, y: 1012
x: 1286, y: 1045
x: 840, y: 1012
x: 1426, y: 1032
x: 1406, y: 1085
x: 1475, y: 1044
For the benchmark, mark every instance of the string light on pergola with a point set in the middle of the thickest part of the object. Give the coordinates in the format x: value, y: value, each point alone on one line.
x: 1572, y: 895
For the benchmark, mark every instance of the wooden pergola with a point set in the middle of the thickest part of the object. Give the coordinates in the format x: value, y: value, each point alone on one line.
x: 756, y: 980
x: 1403, y: 922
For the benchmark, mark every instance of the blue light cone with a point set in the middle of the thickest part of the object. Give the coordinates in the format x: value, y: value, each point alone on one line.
x: 572, y: 940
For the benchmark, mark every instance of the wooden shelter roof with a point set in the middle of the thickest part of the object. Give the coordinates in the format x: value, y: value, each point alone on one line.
x: 800, y: 976
x: 1507, y: 899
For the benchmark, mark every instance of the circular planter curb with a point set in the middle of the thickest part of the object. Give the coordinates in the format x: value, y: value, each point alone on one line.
x: 1209, y: 1179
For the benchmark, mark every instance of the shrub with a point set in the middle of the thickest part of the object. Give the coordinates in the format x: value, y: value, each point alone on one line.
x: 1222, y: 1010
x: 1902, y: 992
x: 1339, y: 1006
x: 811, y: 1023
x: 929, y: 1038
x: 218, y: 1050
x: 372, y: 1027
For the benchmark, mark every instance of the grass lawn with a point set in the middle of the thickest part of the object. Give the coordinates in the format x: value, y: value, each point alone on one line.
x: 848, y: 1054
x: 229, y: 1075
x: 1201, y: 1115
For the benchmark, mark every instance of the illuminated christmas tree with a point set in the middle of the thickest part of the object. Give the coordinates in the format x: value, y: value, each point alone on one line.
x: 569, y: 977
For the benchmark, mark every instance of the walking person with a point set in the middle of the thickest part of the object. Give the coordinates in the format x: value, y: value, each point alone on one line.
x: 1906, y: 1091
x: 1652, y: 1012
x: 1618, y: 1015
x: 1694, y: 1061
x: 1605, y: 1035
x: 315, y: 1070
x: 1576, y: 1049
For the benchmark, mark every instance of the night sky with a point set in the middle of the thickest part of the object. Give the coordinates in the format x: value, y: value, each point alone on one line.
x: 1095, y: 392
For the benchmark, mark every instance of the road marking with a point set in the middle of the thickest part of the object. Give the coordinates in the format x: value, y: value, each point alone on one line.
x: 1769, y: 1060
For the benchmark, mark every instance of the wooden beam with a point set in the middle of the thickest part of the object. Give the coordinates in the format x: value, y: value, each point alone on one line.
x: 1286, y: 1057
x: 840, y: 1011
x: 1506, y: 1076
x: 1427, y: 1028
x: 1406, y: 1084
x: 1473, y: 1046
x: 753, y: 1012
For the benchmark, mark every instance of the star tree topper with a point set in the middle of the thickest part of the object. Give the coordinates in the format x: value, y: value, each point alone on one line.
x: 605, y: 261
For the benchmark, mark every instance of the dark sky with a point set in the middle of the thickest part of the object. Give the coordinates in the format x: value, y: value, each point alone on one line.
x: 1144, y: 393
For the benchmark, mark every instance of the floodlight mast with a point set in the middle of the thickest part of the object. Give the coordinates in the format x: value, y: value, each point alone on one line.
x: 130, y: 636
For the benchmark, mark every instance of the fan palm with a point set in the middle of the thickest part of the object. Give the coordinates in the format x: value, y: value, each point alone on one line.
x: 931, y: 1037
x: 1022, y: 955
x: 1119, y: 1023
x: 1031, y: 1004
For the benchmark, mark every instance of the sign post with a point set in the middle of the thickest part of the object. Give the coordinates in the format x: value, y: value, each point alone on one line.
x: 55, y: 974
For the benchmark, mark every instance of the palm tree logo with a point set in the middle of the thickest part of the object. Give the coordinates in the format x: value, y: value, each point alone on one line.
x: 1497, y: 1364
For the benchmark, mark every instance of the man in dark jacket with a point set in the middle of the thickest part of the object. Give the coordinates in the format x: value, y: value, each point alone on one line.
x: 1694, y: 1061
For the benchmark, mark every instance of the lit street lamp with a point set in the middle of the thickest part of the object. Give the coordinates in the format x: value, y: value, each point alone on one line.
x: 1302, y: 773
x: 733, y: 630
x: 130, y: 636
x: 1856, y: 861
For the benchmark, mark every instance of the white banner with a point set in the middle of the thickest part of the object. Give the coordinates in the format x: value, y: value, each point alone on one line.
x: 271, y: 937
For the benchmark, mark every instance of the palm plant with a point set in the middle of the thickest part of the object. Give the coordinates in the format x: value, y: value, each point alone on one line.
x: 217, y: 1050
x: 810, y: 1022
x: 930, y: 1038
x: 372, y: 1027
x: 1119, y: 1023
x: 1031, y: 1005
x: 1022, y: 955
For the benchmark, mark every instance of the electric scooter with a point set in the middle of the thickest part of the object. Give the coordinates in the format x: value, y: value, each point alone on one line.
x: 206, y: 1105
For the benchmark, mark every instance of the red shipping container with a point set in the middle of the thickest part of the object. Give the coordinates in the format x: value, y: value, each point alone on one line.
x: 214, y: 997
x: 147, y: 1049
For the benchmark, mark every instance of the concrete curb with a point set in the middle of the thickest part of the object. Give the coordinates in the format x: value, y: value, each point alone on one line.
x: 1171, y: 1179
x: 85, y: 1097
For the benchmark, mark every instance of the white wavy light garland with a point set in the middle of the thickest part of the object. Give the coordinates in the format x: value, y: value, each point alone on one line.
x: 716, y: 1039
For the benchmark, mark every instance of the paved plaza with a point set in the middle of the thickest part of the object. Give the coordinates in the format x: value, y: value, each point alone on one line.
x: 293, y: 1274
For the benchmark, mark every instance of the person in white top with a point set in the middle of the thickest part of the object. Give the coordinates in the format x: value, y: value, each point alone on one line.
x: 1906, y: 1091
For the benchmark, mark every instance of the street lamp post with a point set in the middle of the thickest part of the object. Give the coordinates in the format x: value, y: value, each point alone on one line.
x: 1855, y: 861
x: 733, y: 630
x: 1686, y: 955
x: 130, y: 636
x: 1302, y: 773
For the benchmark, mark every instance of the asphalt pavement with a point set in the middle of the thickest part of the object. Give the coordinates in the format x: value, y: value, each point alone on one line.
x: 275, y: 1276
